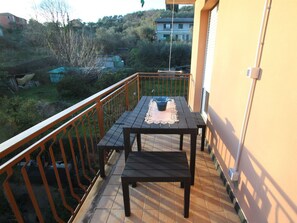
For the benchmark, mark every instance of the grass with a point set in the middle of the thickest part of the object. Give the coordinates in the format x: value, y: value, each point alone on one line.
x: 43, y: 92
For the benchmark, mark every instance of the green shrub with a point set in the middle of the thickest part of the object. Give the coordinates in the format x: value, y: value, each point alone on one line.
x: 17, y: 114
x: 74, y: 86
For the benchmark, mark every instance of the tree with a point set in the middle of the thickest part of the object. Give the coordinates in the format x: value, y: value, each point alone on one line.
x: 152, y: 56
x: 109, y: 39
x: 147, y: 33
x: 35, y: 33
x: 17, y: 114
x: 69, y: 45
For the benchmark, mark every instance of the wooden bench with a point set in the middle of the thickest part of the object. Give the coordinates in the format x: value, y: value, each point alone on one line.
x: 199, y: 121
x: 156, y: 167
x: 113, y: 140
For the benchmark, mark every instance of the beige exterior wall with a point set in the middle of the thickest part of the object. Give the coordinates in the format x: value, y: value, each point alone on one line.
x: 266, y: 190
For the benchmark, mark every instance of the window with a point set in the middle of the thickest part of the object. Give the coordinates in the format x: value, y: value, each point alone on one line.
x: 166, y: 37
x: 180, y: 26
x: 167, y: 26
x: 209, y: 59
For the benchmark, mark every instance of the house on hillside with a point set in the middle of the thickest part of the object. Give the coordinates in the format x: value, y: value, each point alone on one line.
x: 182, y: 29
x: 10, y: 21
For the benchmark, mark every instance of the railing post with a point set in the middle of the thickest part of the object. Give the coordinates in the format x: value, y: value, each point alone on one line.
x: 138, y: 86
x: 189, y: 81
x: 127, y: 95
x: 100, y: 113
x: 10, y: 197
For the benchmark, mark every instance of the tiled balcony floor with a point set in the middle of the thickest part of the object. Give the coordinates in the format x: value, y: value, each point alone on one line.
x: 163, y: 202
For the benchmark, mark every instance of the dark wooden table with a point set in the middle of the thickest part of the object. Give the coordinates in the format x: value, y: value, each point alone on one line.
x: 186, y: 125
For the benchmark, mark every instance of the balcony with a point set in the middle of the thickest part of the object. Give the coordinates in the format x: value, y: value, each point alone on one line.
x: 50, y: 172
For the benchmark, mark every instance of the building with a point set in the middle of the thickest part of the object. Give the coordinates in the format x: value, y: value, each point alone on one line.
x: 1, y: 31
x: 182, y: 29
x: 228, y: 38
x: 10, y: 21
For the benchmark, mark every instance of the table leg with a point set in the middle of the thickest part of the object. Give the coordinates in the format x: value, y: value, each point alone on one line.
x: 101, y: 163
x: 126, y: 197
x: 181, y: 141
x: 193, y: 156
x: 203, y: 138
x: 127, y: 146
x: 138, y: 141
x: 187, y: 199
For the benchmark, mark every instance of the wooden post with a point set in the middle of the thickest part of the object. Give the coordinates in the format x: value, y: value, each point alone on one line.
x: 100, y: 113
x: 127, y: 95
x: 138, y: 86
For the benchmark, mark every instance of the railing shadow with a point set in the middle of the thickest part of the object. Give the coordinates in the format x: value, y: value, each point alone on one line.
x: 257, y: 191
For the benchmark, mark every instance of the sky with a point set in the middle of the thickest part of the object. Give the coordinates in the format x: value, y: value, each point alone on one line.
x: 86, y: 10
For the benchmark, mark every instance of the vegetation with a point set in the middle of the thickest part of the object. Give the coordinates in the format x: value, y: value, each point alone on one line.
x: 17, y: 114
x: 40, y: 47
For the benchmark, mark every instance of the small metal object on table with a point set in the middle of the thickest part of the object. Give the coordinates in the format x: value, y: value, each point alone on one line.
x: 156, y: 167
x: 135, y: 123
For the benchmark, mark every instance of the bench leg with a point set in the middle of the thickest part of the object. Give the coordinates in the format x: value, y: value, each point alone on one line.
x: 186, y: 199
x: 203, y: 138
x: 101, y: 163
x: 126, y: 197
x: 181, y: 141
x: 138, y: 141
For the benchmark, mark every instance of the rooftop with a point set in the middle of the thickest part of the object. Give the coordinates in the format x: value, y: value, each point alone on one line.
x: 175, y: 20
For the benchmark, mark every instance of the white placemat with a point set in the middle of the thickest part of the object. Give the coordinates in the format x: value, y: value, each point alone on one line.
x: 169, y: 116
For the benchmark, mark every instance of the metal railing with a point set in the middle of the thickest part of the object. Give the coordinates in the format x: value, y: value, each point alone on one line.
x: 47, y: 171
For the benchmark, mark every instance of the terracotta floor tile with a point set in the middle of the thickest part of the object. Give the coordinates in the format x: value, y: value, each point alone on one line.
x: 217, y: 217
x: 151, y: 203
x: 111, y: 190
x: 118, y: 202
x: 121, y: 162
x: 105, y: 202
x: 135, y: 217
x: 151, y: 216
x: 231, y: 216
x: 201, y: 216
x: 115, y: 179
x: 164, y: 202
x: 100, y: 216
x: 213, y: 204
x: 116, y: 216
x: 167, y: 215
x: 137, y: 203
x: 118, y: 170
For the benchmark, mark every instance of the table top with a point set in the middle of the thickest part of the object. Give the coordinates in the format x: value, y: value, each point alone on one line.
x: 136, y: 121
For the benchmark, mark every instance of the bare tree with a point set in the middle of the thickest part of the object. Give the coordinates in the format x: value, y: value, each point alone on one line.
x: 73, y: 46
x: 55, y: 11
